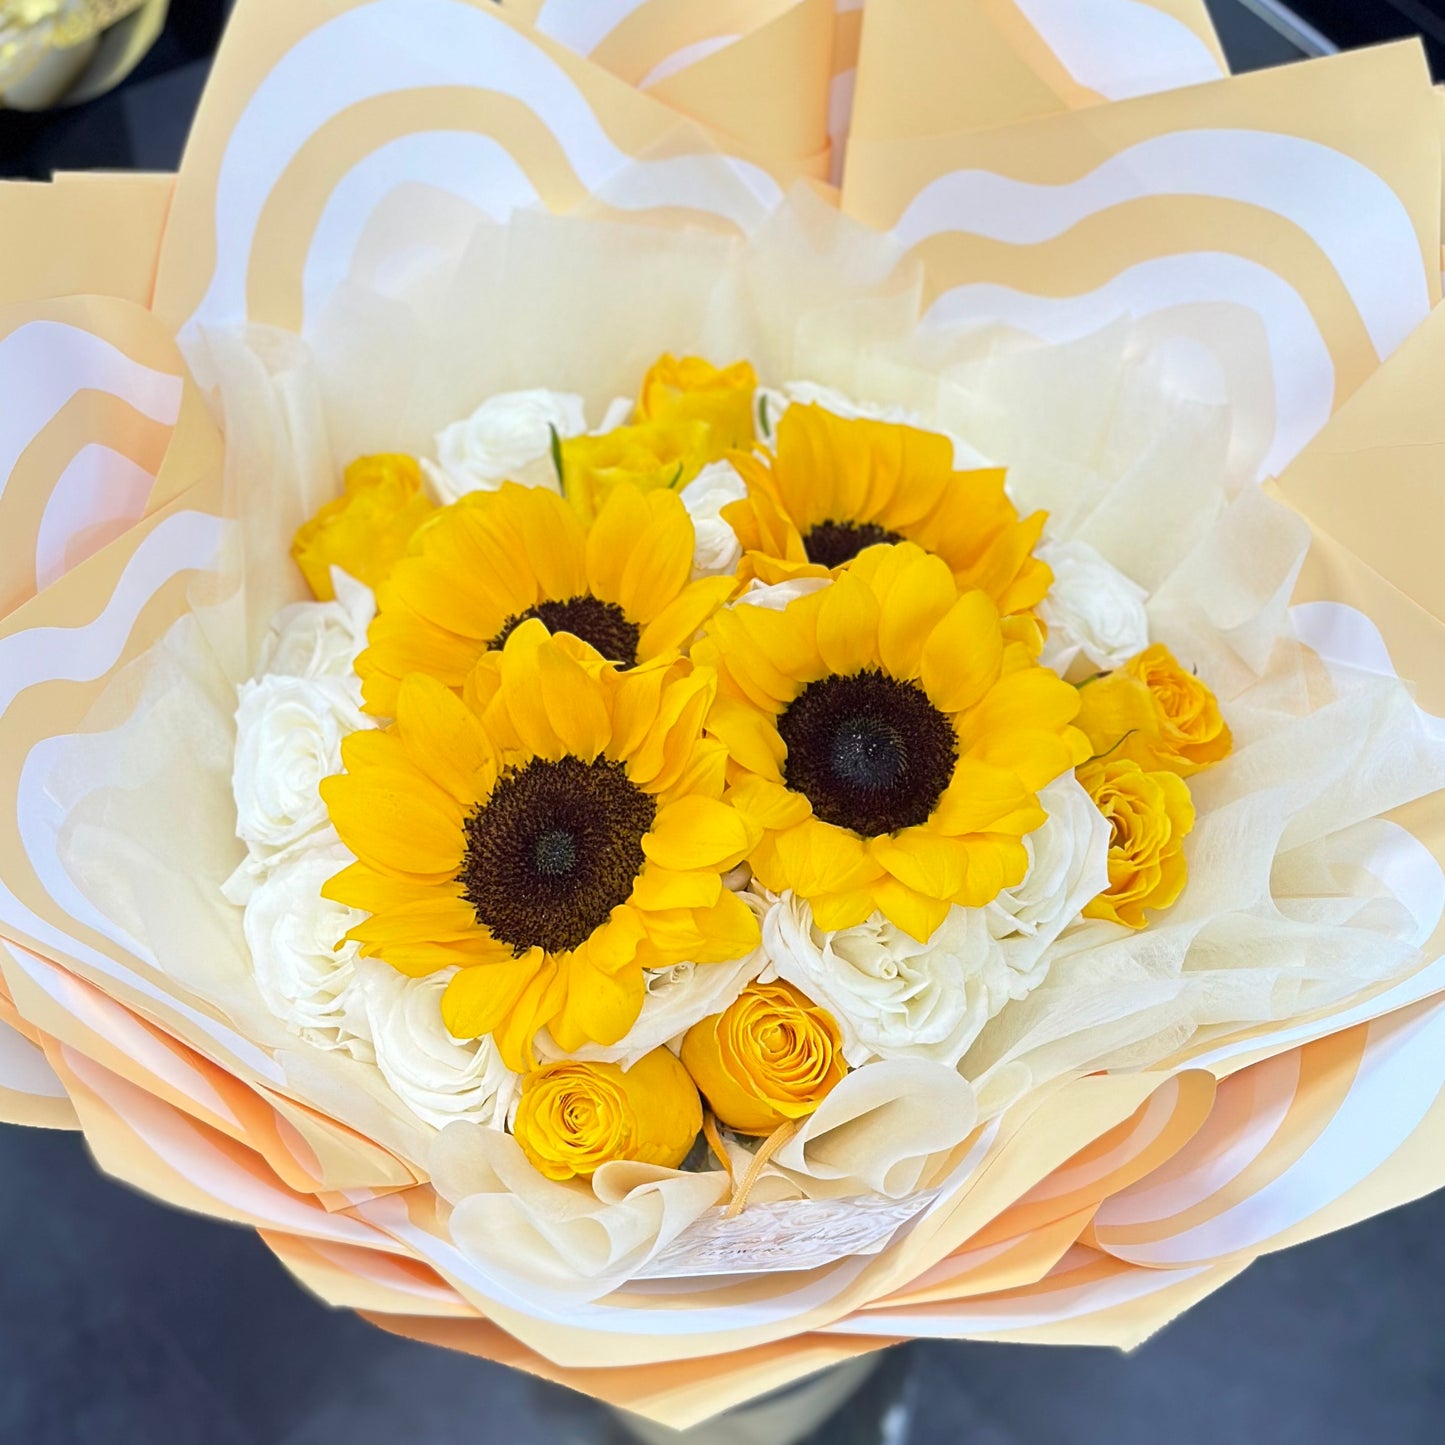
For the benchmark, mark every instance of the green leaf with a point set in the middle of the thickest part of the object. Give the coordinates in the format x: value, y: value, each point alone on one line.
x: 557, y: 458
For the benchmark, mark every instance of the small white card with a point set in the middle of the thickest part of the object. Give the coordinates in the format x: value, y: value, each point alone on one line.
x: 785, y: 1234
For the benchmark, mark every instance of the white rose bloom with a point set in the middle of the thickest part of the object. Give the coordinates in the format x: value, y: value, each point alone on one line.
x: 812, y: 393
x: 500, y: 438
x: 1068, y: 866
x: 288, y: 737
x: 1092, y: 608
x: 716, y: 549
x: 892, y: 996
x: 301, y: 967
x: 321, y: 639
x: 776, y: 596
x: 438, y: 1077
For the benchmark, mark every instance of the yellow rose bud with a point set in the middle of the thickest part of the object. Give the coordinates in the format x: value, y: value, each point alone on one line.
x: 1152, y: 712
x: 694, y: 390
x: 772, y: 1056
x: 574, y: 1117
x: 367, y: 529
x: 651, y: 456
x: 1149, y: 816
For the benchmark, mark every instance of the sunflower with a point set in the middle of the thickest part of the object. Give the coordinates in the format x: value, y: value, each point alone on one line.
x: 551, y: 833
x: 888, y: 739
x: 836, y: 486
x: 491, y: 561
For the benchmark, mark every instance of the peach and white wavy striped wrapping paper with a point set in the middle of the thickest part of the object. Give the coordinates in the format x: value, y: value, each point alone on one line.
x: 1278, y: 234
x: 92, y: 394
x: 1092, y: 1215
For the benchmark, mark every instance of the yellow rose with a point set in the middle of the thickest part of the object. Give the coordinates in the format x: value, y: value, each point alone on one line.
x: 1149, y: 816
x: 573, y: 1117
x: 772, y: 1056
x: 1154, y: 713
x: 692, y: 389
x: 366, y: 530
x: 652, y: 456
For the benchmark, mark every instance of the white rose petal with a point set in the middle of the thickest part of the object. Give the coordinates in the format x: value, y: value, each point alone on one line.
x: 500, y: 438
x: 776, y: 596
x: 1068, y: 867
x: 301, y: 967
x: 321, y: 639
x: 438, y: 1077
x: 1092, y: 609
x: 716, y: 549
x: 892, y: 996
x: 288, y: 737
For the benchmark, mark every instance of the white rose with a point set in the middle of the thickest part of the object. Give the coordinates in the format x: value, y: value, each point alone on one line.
x: 301, y: 967
x: 321, y: 639
x: 438, y: 1077
x: 812, y: 393
x: 776, y: 596
x: 1068, y: 866
x: 892, y: 996
x: 1092, y: 608
x: 288, y: 737
x: 500, y: 438
x: 716, y: 549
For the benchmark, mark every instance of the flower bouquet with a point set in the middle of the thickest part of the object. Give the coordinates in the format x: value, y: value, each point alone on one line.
x: 669, y: 775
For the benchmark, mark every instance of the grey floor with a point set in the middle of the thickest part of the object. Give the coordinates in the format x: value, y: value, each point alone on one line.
x: 124, y: 1323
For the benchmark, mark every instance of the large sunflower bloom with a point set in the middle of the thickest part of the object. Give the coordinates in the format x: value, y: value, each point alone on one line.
x: 836, y: 486
x: 489, y: 562
x: 551, y: 833
x: 889, y: 739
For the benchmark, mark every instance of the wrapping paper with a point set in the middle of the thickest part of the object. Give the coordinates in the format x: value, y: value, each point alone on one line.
x: 1096, y: 1209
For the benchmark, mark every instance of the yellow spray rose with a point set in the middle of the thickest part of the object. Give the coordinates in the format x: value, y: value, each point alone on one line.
x: 651, y: 456
x: 367, y: 529
x: 1149, y: 815
x: 772, y: 1056
x: 1156, y: 714
x: 575, y: 1117
x: 694, y: 390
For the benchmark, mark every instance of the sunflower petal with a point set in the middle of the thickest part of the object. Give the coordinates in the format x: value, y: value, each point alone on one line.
x: 444, y: 738
x: 660, y: 558
x: 675, y: 624
x: 963, y: 653
x: 663, y: 888
x: 396, y: 821
x: 573, y: 703
x: 767, y: 803
x: 814, y: 857
x: 696, y: 832
x: 923, y: 860
x: 916, y: 915
x: 848, y: 617
x: 749, y: 736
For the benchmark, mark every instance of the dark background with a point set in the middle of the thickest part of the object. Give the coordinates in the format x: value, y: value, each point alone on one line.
x: 124, y: 1323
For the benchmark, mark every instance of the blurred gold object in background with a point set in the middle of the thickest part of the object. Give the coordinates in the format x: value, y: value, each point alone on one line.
x: 61, y: 52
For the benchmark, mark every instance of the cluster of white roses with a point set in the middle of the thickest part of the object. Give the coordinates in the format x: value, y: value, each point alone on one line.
x: 892, y: 996
x: 290, y: 721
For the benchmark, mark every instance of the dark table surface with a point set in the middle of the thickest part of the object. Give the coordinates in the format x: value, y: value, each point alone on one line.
x: 125, y: 1323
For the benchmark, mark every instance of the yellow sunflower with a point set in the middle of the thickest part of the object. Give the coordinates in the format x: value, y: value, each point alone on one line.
x: 836, y: 486
x: 889, y: 739
x: 484, y: 565
x: 551, y: 833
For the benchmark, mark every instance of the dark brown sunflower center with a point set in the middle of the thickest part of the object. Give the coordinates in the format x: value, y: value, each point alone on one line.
x: 602, y: 624
x: 831, y: 544
x: 554, y: 850
x: 869, y: 752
